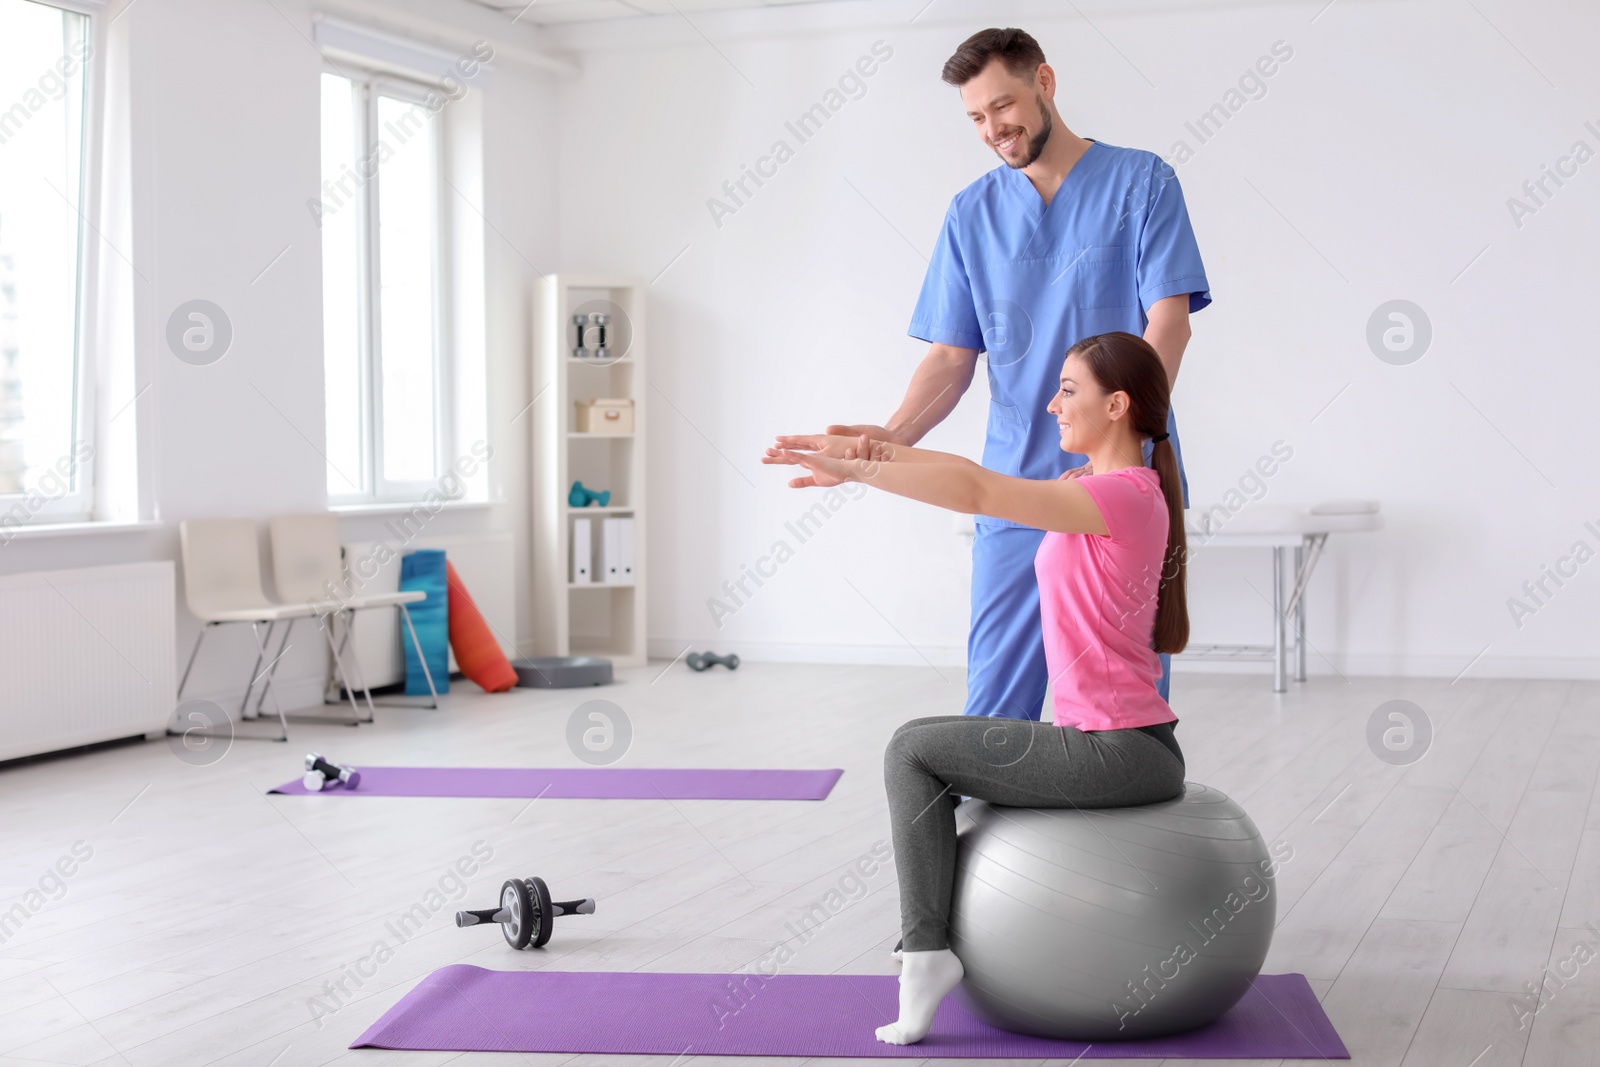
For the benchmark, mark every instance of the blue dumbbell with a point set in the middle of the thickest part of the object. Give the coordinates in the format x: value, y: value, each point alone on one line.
x: 582, y: 498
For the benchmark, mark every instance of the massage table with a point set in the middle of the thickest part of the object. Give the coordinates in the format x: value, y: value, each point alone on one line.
x: 1280, y: 527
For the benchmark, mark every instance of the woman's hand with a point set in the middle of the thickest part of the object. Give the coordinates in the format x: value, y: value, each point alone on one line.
x: 825, y: 471
x: 837, y: 446
x: 1077, y: 472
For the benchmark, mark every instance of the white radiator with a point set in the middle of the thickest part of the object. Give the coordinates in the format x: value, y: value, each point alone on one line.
x: 85, y: 656
x: 485, y: 564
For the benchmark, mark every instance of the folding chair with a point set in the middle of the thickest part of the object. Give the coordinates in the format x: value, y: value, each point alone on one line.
x: 308, y: 567
x: 222, y: 585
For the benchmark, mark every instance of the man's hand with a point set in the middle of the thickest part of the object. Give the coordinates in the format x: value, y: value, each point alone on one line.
x: 877, y: 433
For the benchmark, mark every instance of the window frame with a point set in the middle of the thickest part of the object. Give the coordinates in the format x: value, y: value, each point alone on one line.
x: 375, y: 489
x: 78, y: 503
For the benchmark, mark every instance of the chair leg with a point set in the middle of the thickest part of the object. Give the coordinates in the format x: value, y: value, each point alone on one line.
x: 283, y: 647
x: 255, y: 671
x: 338, y: 662
x: 231, y: 735
x: 330, y: 682
x: 261, y: 651
x: 417, y: 644
x: 355, y: 661
x: 199, y: 637
x: 334, y: 682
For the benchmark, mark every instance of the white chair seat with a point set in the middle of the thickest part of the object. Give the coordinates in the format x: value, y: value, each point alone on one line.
x: 370, y: 600
x: 386, y: 600
x: 261, y: 613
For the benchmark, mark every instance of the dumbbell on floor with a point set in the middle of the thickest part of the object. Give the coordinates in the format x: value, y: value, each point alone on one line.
x: 699, y: 661
x: 320, y: 774
x: 526, y: 913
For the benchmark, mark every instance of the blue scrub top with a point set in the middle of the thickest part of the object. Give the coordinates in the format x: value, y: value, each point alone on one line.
x: 1023, y: 282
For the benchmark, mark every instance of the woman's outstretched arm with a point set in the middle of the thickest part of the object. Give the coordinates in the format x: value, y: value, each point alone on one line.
x: 1063, y: 506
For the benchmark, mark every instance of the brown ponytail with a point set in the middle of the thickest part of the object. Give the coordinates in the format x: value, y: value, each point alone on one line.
x: 1122, y: 362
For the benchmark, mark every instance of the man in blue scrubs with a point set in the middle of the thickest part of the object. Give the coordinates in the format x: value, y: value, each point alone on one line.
x: 1068, y: 238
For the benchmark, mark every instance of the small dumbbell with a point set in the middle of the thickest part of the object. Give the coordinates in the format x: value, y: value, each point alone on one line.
x: 320, y: 774
x: 580, y: 349
x: 582, y: 497
x: 699, y: 661
x: 526, y: 914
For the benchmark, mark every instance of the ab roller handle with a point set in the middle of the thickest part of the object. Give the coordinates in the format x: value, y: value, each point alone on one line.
x: 320, y: 774
x: 501, y: 915
x: 526, y: 913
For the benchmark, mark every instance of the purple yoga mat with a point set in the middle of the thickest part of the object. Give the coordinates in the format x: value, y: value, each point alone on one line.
x: 583, y: 783
x: 462, y: 1008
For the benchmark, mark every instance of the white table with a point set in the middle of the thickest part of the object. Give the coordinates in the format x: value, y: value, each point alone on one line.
x: 1280, y: 527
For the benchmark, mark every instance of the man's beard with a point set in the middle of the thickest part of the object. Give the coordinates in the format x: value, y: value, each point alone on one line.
x: 1036, y: 143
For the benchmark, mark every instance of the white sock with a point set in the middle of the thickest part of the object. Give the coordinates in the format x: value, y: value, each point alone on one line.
x: 926, y: 978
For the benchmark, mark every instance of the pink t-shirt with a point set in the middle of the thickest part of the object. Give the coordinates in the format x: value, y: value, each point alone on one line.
x: 1097, y: 601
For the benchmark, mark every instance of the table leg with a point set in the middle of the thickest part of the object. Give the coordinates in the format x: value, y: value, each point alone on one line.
x: 1279, y: 623
x: 1299, y: 615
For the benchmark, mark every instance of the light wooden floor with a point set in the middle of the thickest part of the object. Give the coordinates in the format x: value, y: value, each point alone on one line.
x: 1418, y: 902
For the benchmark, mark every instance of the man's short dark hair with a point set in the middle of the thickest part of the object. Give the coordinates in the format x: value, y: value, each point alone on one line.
x: 1015, y: 48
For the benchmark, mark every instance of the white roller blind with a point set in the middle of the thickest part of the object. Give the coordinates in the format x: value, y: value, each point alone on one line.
x: 339, y: 39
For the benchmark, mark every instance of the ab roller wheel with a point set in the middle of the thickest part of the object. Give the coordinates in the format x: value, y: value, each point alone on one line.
x: 526, y: 904
x: 526, y: 914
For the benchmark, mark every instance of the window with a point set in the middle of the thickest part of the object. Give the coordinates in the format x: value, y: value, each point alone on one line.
x: 383, y: 291
x: 44, y: 402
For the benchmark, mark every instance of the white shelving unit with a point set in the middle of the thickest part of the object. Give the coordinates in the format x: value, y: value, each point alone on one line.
x: 598, y: 618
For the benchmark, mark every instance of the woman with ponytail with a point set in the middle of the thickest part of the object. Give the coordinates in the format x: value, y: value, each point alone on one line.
x: 1111, y: 585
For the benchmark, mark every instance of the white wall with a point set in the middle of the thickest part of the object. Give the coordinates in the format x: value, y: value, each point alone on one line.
x: 1376, y: 166
x: 1384, y: 151
x: 223, y: 99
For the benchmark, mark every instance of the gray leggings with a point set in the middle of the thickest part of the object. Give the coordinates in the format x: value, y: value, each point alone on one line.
x: 929, y: 762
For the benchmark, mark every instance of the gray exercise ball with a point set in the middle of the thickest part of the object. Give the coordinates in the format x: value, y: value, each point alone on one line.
x: 1110, y: 923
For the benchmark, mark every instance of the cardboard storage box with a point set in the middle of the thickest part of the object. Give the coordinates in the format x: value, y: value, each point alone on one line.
x: 605, y: 416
